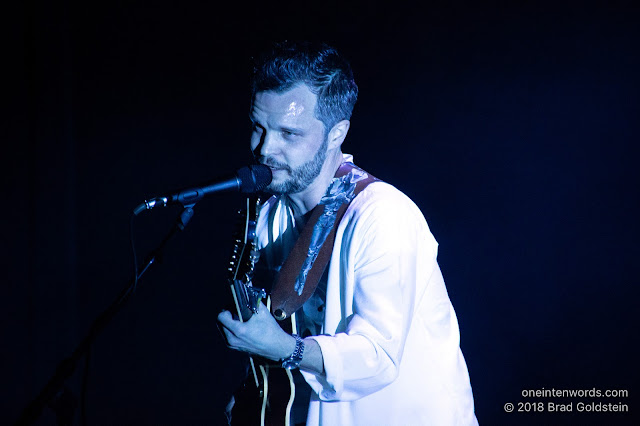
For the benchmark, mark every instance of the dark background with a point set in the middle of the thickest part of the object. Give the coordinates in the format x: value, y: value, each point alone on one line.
x: 512, y: 126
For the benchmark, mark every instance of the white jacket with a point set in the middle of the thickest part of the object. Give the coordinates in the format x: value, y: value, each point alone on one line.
x: 390, y: 339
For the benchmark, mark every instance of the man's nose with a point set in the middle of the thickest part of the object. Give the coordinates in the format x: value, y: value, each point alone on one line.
x: 269, y: 144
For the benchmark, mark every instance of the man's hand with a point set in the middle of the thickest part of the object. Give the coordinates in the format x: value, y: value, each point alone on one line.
x: 260, y: 335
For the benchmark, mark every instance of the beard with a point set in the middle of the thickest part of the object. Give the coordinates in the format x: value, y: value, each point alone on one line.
x: 299, y: 178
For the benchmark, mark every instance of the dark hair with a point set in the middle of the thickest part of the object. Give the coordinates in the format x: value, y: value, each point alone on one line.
x: 319, y: 67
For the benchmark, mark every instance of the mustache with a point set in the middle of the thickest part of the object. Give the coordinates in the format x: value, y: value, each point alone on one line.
x: 267, y: 161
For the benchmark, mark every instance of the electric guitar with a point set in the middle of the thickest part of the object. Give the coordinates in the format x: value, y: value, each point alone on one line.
x: 266, y: 396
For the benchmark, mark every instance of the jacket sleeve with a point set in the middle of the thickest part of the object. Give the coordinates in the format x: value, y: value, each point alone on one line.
x: 386, y: 256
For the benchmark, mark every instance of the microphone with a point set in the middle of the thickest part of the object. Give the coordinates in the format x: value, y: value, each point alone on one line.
x: 249, y: 179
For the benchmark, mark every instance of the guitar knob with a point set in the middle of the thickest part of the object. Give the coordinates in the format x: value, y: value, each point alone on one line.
x: 280, y: 314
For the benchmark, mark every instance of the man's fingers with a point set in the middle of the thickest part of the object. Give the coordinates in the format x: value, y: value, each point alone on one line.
x: 229, y: 327
x: 226, y: 319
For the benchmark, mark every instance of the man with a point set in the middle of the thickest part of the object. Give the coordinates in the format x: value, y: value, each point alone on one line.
x: 381, y: 339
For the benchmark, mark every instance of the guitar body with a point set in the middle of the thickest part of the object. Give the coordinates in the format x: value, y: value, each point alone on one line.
x: 269, y: 402
x: 266, y: 395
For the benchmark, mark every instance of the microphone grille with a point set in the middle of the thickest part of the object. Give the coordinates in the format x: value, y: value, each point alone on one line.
x: 254, y: 178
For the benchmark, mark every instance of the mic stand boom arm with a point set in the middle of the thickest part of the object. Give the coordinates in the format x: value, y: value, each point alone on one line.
x: 64, y: 370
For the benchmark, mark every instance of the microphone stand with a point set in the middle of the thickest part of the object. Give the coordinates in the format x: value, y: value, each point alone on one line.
x: 53, y: 394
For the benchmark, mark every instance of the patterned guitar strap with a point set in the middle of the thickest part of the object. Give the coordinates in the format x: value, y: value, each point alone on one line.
x: 301, y: 272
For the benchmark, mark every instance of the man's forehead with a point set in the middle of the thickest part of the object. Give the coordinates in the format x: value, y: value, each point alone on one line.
x: 295, y: 108
x: 295, y: 103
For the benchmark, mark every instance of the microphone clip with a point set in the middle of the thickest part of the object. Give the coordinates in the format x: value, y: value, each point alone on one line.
x: 151, y: 203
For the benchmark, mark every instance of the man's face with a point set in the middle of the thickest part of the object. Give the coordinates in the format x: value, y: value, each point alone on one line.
x: 288, y: 138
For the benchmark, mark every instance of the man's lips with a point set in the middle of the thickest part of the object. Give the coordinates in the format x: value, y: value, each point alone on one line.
x: 275, y: 169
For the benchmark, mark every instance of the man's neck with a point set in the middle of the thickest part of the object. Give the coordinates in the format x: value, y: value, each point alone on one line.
x: 305, y: 201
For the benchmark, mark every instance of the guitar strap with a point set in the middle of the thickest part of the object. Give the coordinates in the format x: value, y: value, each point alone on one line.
x: 301, y: 272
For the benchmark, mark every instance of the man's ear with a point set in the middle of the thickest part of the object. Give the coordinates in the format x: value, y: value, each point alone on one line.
x: 338, y: 133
